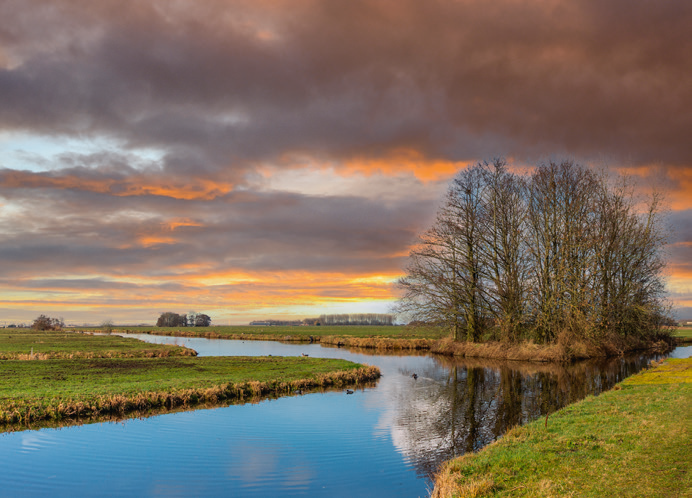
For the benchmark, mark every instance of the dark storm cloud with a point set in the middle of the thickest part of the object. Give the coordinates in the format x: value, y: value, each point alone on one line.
x: 90, y: 232
x: 196, y: 101
x: 252, y: 80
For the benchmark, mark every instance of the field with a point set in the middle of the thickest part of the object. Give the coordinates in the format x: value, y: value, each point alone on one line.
x: 376, y: 337
x: 683, y: 334
x: 630, y: 441
x: 110, y: 375
x: 25, y: 344
x: 295, y: 333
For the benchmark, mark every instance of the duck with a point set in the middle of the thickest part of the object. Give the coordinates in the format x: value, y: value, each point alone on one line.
x: 415, y: 375
x: 304, y: 354
x: 348, y: 391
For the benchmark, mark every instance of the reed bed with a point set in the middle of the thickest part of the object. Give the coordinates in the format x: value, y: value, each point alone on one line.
x: 565, y: 350
x: 380, y: 343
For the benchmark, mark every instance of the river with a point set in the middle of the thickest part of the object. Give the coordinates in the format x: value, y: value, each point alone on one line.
x: 381, y: 441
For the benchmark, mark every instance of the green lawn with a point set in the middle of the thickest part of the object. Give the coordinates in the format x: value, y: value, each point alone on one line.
x: 56, y: 375
x: 22, y: 343
x: 55, y: 389
x: 631, y: 441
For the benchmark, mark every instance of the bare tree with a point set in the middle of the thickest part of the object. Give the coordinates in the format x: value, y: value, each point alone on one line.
x: 561, y: 250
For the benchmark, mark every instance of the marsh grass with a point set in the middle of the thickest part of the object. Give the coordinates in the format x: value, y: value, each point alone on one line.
x: 565, y: 349
x: 630, y: 441
x: 29, y: 344
x: 84, y: 388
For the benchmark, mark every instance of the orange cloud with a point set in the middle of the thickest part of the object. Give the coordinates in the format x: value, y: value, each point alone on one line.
x: 679, y: 198
x: 406, y: 160
x: 133, y: 185
x: 210, y: 291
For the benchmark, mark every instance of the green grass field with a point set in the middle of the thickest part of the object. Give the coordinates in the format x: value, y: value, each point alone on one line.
x: 684, y: 332
x: 22, y: 343
x: 107, y: 375
x: 297, y: 333
x: 631, y: 441
x: 50, y: 382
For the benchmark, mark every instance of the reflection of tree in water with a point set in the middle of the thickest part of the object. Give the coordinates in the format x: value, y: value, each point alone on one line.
x: 461, y: 405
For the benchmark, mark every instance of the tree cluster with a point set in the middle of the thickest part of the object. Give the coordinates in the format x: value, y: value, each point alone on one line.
x: 517, y: 257
x: 357, y: 319
x: 44, y: 322
x: 191, y: 319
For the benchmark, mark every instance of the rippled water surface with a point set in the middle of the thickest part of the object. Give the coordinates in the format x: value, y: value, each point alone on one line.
x: 380, y: 441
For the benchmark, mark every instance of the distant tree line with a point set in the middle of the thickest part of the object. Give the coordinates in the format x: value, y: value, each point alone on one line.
x: 191, y: 319
x: 528, y: 257
x: 357, y: 319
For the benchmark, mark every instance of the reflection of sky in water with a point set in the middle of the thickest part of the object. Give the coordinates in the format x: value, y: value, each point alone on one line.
x: 376, y: 442
x: 681, y: 352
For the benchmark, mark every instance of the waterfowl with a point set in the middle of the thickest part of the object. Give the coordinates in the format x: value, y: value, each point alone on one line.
x: 415, y: 375
x: 348, y: 391
x: 304, y: 354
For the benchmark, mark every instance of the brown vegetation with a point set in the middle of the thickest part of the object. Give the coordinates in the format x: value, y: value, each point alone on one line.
x: 565, y: 349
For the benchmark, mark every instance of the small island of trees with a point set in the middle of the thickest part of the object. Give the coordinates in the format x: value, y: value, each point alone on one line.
x: 191, y: 319
x: 561, y: 254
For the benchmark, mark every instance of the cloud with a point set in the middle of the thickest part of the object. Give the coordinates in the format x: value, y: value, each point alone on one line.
x: 310, y: 138
x: 237, y: 82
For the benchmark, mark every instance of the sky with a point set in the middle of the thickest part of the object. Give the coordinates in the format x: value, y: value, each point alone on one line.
x: 257, y: 159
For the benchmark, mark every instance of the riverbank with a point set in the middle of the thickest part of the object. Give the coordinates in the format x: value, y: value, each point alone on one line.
x: 683, y: 335
x: 432, y: 339
x: 54, y: 390
x: 396, y: 337
x: 563, y: 351
x: 630, y: 441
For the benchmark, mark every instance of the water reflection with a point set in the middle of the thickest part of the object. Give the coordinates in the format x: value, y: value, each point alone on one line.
x: 457, y: 406
x: 385, y: 440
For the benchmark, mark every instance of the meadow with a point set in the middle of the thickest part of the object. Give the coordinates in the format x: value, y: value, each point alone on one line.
x: 299, y: 333
x: 25, y: 344
x: 683, y: 334
x: 71, y: 375
x: 630, y: 441
x: 370, y: 336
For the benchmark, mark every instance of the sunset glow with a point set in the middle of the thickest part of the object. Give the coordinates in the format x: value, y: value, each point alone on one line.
x: 261, y: 159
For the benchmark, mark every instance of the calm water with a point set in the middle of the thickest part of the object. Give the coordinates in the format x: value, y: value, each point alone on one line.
x: 380, y: 441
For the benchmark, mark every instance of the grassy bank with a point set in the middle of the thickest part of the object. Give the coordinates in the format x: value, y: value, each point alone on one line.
x: 401, y: 338
x: 32, y: 391
x: 291, y: 333
x: 564, y: 350
x: 683, y: 335
x: 27, y: 344
x: 377, y: 337
x: 630, y: 441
